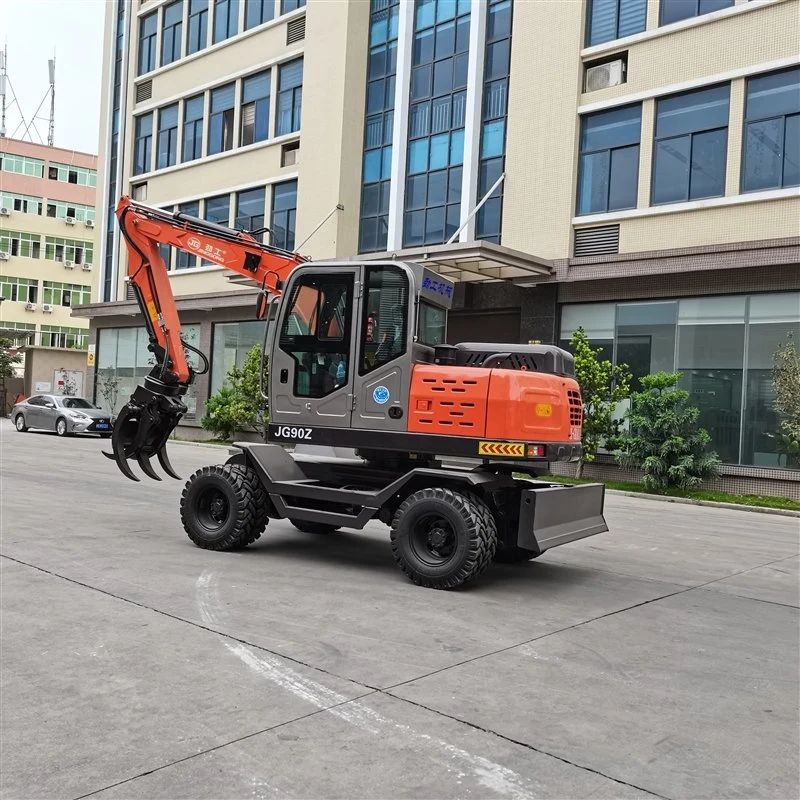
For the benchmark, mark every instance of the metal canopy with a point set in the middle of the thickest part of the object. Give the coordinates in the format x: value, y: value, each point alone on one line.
x: 473, y: 262
x: 470, y: 261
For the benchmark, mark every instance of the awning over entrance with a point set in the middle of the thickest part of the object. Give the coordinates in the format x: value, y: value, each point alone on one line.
x: 470, y: 261
x: 461, y: 261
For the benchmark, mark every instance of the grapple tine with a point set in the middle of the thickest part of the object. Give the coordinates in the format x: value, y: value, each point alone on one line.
x: 118, y: 446
x: 144, y: 463
x: 165, y: 463
x: 108, y: 455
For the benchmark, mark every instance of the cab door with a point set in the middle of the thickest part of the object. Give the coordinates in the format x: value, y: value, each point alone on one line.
x: 386, y: 333
x: 311, y: 368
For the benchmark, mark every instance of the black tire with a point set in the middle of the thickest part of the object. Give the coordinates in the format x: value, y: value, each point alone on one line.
x: 19, y: 423
x: 313, y: 527
x: 224, y: 507
x: 61, y: 427
x: 442, y: 538
x: 514, y: 555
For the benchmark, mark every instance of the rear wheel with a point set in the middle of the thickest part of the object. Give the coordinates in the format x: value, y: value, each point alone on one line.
x: 19, y: 423
x: 313, y: 527
x: 224, y: 507
x: 61, y: 427
x: 442, y: 538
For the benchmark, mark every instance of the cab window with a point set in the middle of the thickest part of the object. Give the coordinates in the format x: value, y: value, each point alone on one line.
x: 316, y: 333
x: 384, y: 325
x: 432, y: 325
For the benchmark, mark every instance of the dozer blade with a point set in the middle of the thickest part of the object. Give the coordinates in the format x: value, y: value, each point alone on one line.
x: 143, y: 428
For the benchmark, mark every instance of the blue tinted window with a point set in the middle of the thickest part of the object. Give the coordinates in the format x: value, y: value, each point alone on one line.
x: 291, y: 5
x: 379, y: 124
x: 167, y: 145
x: 613, y: 19
x: 257, y: 12
x: 143, y: 144
x: 608, y: 172
x: 147, y: 43
x: 183, y: 259
x: 436, y: 120
x: 290, y: 97
x: 284, y: 215
x: 771, y: 142
x: 690, y: 150
x: 193, y: 128
x: 676, y: 10
x: 226, y: 19
x: 172, y: 33
x: 198, y: 26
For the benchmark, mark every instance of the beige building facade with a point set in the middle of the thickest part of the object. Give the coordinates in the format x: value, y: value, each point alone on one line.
x: 47, y: 242
x: 636, y: 164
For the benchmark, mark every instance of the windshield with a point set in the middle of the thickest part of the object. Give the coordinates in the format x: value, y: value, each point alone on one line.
x: 75, y: 402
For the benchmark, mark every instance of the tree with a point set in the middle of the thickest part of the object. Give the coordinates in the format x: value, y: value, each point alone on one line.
x: 9, y: 358
x: 664, y: 439
x: 603, y: 386
x: 239, y: 405
x: 786, y: 382
x: 108, y: 387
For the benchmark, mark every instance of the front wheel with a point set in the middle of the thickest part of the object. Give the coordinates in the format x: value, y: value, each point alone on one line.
x: 224, y: 507
x: 442, y: 538
x: 61, y: 427
x: 19, y: 423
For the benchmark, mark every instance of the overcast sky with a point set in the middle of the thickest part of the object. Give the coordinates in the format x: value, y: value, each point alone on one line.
x: 73, y: 29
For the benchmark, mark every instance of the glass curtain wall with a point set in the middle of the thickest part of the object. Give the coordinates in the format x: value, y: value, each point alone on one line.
x: 122, y: 354
x: 724, y: 347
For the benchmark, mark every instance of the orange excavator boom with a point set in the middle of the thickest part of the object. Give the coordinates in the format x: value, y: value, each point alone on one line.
x: 144, y: 424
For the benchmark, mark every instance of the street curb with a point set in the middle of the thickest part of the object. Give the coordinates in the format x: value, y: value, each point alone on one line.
x: 199, y: 444
x: 690, y: 501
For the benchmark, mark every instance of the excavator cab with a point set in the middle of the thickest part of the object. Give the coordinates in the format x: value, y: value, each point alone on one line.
x: 345, y: 342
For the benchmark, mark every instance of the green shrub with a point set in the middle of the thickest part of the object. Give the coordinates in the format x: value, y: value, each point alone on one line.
x: 238, y: 406
x: 786, y: 382
x: 664, y: 439
x: 603, y: 386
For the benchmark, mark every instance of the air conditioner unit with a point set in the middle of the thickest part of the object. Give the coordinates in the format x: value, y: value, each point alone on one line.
x: 89, y: 223
x: 30, y: 306
x: 70, y: 220
x: 69, y: 265
x: 606, y: 75
x: 87, y: 267
x: 4, y: 256
x: 5, y: 212
x: 47, y: 308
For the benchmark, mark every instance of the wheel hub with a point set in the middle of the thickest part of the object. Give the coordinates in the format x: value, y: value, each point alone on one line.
x: 437, y: 538
x: 217, y: 509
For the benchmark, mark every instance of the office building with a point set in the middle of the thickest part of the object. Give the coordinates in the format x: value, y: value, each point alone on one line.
x: 47, y: 233
x: 642, y: 157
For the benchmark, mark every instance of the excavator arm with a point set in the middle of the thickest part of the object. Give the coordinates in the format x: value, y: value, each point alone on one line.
x: 155, y: 407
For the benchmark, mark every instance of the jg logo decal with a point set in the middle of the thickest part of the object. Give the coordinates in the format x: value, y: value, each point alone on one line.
x: 380, y: 395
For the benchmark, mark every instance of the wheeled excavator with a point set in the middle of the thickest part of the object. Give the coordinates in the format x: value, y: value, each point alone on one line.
x: 355, y: 357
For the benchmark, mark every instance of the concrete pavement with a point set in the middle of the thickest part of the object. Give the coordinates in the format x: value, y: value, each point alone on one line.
x: 659, y: 659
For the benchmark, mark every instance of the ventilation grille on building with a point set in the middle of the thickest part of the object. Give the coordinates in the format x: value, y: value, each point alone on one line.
x: 130, y: 292
x: 600, y: 241
x: 296, y: 30
x: 144, y: 91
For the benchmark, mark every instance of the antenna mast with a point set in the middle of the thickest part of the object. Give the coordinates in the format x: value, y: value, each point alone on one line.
x: 51, y: 65
x: 3, y: 59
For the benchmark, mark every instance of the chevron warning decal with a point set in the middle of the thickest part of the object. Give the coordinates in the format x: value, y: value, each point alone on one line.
x: 515, y: 449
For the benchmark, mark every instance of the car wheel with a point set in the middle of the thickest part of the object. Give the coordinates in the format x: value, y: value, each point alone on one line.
x: 442, y: 538
x: 61, y: 426
x: 19, y: 423
x: 224, y: 507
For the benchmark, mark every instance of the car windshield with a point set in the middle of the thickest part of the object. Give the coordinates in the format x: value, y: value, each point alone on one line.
x: 75, y: 402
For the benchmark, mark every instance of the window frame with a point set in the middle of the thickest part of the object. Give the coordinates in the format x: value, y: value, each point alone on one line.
x: 171, y: 135
x: 200, y: 17
x: 366, y: 312
x: 617, y: 15
x: 148, y: 41
x: 747, y: 121
x: 296, y: 95
x: 698, y: 13
x: 230, y: 19
x: 691, y: 135
x: 261, y: 105
x: 145, y: 142
x: 226, y: 122
x: 263, y: 6
x: 175, y: 30
x: 610, y: 150
x: 290, y: 227
x: 196, y: 123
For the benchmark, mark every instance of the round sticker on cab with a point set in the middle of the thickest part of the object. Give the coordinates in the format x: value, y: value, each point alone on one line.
x: 380, y: 395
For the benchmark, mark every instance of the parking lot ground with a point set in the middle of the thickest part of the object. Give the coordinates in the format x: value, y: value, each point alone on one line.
x: 659, y: 659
